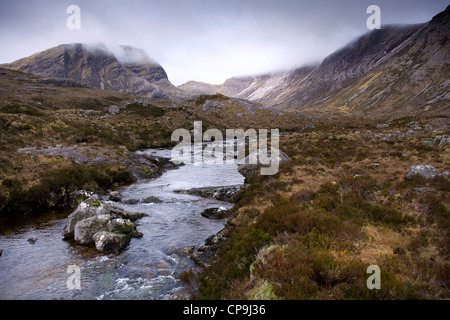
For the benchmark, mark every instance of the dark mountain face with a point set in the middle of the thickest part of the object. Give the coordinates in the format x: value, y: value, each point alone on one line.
x: 131, y: 71
x: 390, y: 72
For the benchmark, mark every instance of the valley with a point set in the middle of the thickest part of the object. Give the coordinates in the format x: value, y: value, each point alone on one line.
x: 363, y: 177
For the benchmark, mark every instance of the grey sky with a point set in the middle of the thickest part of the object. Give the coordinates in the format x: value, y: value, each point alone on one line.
x: 205, y: 40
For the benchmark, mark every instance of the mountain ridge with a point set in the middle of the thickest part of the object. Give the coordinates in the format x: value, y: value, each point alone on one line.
x: 381, y: 73
x: 128, y: 69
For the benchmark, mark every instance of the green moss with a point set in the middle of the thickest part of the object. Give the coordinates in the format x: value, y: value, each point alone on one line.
x: 263, y: 290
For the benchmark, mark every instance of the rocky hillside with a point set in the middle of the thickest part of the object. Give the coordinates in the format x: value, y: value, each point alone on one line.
x: 390, y: 72
x: 127, y: 69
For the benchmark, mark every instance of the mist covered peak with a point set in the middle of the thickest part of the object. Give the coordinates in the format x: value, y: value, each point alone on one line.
x: 130, y: 55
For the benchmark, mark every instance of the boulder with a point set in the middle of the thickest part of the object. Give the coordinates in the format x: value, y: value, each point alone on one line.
x: 32, y: 240
x: 130, y: 201
x: 152, y: 199
x: 94, y: 218
x: 113, y: 109
x: 110, y: 242
x: 85, y: 229
x: 133, y: 216
x: 424, y: 170
x: 262, y: 290
x: 201, y: 255
x: 120, y: 225
x: 249, y: 169
x: 115, y: 196
x: 78, y: 196
x: 444, y: 141
x: 85, y: 209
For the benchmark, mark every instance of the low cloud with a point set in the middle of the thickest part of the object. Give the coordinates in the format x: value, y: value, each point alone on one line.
x: 201, y: 40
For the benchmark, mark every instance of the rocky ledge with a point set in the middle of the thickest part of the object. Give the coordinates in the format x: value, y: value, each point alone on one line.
x: 221, y: 193
x: 104, y: 224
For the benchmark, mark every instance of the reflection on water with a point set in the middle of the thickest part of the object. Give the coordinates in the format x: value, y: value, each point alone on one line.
x: 148, y: 269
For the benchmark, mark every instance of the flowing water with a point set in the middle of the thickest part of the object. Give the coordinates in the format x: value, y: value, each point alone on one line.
x: 150, y: 266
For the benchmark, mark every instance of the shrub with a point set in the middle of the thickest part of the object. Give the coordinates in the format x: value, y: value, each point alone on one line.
x: 149, y: 111
x: 58, y: 183
x: 18, y: 108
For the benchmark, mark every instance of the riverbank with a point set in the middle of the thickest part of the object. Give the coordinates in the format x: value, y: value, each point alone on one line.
x: 350, y: 198
x: 75, y: 168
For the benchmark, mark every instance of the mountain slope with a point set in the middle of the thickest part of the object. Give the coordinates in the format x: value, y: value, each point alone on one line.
x: 127, y: 70
x: 390, y: 72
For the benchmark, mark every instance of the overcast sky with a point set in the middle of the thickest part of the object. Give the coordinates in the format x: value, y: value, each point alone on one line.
x: 205, y: 40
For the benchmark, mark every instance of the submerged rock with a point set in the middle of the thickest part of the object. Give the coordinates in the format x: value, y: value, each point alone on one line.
x: 215, y: 213
x: 152, y: 199
x: 32, y: 240
x: 131, y: 201
x: 222, y: 193
x: 115, y: 196
x: 133, y: 216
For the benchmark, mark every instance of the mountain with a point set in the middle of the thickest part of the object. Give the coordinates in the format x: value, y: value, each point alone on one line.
x: 125, y: 69
x: 390, y: 72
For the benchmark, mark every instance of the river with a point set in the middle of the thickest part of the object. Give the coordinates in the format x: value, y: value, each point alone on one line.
x: 149, y: 268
